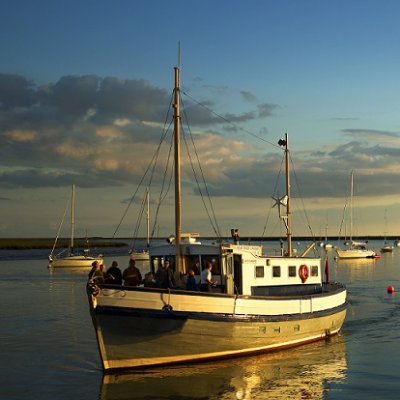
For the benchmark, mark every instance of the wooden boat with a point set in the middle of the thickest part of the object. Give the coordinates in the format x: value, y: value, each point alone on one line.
x: 260, y: 303
x: 355, y: 249
x: 68, y: 258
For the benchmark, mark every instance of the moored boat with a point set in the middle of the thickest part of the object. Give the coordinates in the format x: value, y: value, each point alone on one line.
x: 259, y: 303
x: 355, y: 249
x: 387, y: 249
x: 68, y: 257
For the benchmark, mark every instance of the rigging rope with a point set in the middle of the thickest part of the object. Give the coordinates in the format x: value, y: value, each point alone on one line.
x: 152, y: 162
x: 275, y: 193
x: 164, y: 195
x: 301, y: 199
x: 60, y: 226
x: 230, y: 122
x: 215, y: 227
x: 138, y: 222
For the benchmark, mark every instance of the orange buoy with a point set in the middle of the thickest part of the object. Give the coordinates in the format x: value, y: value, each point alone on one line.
x: 390, y: 289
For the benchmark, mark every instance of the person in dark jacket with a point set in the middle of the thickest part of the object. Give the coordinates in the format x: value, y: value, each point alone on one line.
x: 113, y: 275
x: 132, y: 275
x: 165, y: 276
x: 191, y: 281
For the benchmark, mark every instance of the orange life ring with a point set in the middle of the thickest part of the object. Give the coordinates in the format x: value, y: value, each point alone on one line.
x: 304, y: 273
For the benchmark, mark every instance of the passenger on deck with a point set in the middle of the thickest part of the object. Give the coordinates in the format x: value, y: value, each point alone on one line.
x: 132, y: 275
x: 96, y: 274
x: 113, y: 275
x: 149, y: 280
x: 191, y: 281
x: 165, y: 276
x: 206, y: 282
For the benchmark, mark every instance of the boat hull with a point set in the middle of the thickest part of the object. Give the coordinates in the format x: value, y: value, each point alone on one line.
x: 74, y: 262
x: 348, y: 253
x: 134, y: 337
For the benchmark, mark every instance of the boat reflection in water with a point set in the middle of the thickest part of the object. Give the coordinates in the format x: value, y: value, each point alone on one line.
x: 305, y: 373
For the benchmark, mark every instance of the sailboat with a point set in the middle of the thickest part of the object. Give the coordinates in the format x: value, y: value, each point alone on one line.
x: 68, y: 258
x: 142, y: 257
x: 327, y: 245
x: 356, y: 249
x: 387, y: 248
x: 260, y: 303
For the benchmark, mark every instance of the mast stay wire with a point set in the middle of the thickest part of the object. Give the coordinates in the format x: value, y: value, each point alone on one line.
x: 152, y: 162
x: 138, y: 222
x: 163, y: 195
x: 302, y: 199
x: 213, y: 220
x: 230, y: 122
x: 274, y: 193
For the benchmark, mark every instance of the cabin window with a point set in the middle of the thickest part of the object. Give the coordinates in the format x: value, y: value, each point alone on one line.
x: 259, y: 272
x: 216, y: 268
x: 292, y: 271
x: 276, y: 271
x: 314, y: 270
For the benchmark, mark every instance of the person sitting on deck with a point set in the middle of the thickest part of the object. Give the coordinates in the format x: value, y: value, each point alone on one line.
x: 113, y: 275
x: 132, y: 275
x: 191, y: 281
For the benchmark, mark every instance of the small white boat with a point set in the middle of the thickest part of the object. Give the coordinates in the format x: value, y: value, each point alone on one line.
x: 260, y: 303
x: 74, y: 261
x: 387, y: 248
x: 396, y: 243
x: 356, y: 249
x: 67, y: 257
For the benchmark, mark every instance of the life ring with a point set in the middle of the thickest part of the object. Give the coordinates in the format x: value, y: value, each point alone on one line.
x: 304, y: 273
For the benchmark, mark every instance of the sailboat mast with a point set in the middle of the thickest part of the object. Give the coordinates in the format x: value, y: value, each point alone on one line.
x: 351, y: 204
x: 177, y: 155
x: 71, y: 245
x: 289, y: 222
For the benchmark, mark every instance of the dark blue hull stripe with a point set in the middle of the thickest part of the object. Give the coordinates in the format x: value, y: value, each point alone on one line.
x: 171, y: 314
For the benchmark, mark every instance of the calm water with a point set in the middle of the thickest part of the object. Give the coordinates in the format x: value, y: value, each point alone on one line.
x: 48, y: 347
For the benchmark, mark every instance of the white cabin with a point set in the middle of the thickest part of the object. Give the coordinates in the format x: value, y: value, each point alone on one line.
x: 243, y: 270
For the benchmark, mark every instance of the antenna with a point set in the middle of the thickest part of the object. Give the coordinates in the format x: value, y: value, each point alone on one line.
x: 179, y: 53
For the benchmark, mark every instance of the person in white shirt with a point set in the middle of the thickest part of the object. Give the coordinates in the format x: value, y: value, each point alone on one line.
x: 206, y: 282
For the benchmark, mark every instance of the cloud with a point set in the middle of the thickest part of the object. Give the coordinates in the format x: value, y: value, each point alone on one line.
x: 266, y: 110
x: 103, y: 132
x: 21, y: 135
x: 16, y: 91
x: 370, y: 133
x: 34, y: 178
x: 248, y: 96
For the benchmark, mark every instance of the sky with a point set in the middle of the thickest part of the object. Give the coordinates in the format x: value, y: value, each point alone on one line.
x: 85, y: 89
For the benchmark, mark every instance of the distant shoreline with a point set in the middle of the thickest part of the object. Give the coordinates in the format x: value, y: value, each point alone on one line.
x: 47, y: 243
x: 31, y: 243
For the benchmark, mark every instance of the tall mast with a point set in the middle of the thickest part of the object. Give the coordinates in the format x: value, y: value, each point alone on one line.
x: 177, y: 167
x: 71, y: 245
x: 351, y: 204
x: 289, y: 221
x: 285, y: 144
